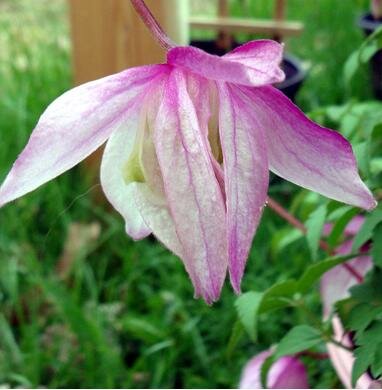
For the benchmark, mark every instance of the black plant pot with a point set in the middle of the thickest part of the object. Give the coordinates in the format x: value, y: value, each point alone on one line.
x: 368, y: 24
x: 294, y: 73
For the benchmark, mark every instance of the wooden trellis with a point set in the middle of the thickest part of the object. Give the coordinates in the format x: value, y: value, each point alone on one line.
x: 278, y: 27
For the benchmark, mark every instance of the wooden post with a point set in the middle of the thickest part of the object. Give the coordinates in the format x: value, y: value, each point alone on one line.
x: 108, y: 36
x: 279, y: 16
x: 225, y: 39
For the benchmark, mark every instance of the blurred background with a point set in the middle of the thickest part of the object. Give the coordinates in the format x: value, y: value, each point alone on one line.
x: 82, y: 305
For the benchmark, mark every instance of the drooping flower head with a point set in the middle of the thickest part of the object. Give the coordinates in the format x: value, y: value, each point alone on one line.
x: 190, y: 144
x: 288, y: 372
x: 335, y: 286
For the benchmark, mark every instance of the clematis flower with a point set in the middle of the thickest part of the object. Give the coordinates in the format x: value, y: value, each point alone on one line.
x: 286, y: 373
x: 190, y: 144
x: 335, y: 286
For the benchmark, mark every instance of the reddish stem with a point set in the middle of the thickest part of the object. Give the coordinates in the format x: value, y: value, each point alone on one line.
x: 285, y: 214
x: 152, y: 24
x: 314, y: 355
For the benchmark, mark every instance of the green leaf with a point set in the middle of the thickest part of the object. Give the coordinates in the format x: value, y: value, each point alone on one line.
x: 236, y: 336
x: 314, y: 272
x: 298, y: 339
x: 351, y: 66
x: 363, y: 358
x: 376, y: 250
x: 366, y: 231
x: 314, y: 226
x: 366, y: 353
x: 363, y: 54
x: 362, y: 154
x: 376, y: 366
x: 142, y: 329
x: 370, y: 291
x: 278, y: 296
x: 361, y: 316
x: 340, y: 226
x: 266, y: 366
x: 376, y: 166
x: 251, y: 304
x: 247, y: 306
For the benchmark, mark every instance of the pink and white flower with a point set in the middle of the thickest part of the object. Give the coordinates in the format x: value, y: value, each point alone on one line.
x: 335, y: 286
x: 287, y: 372
x: 190, y: 144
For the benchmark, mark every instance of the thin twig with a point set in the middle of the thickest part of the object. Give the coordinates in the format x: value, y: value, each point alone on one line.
x: 291, y: 219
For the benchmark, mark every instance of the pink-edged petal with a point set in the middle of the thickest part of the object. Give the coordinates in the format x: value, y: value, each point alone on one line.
x: 255, y: 63
x: 205, y: 97
x: 193, y: 194
x: 156, y: 214
x: 141, y: 202
x: 263, y: 54
x: 74, y: 125
x: 343, y: 360
x: 335, y: 284
x: 305, y: 153
x: 246, y: 175
x: 120, y: 193
x: 354, y: 225
x: 286, y: 373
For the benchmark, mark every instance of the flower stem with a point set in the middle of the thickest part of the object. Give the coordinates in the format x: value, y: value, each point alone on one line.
x: 283, y: 213
x: 314, y: 355
x: 152, y: 24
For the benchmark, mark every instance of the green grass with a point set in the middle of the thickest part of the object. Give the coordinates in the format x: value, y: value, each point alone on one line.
x: 124, y: 315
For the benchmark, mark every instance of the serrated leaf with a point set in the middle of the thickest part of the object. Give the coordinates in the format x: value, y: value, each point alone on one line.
x: 361, y: 316
x: 366, y: 353
x: 376, y: 366
x: 298, y: 339
x: 366, y: 231
x: 247, y: 306
x: 370, y: 291
x: 314, y: 272
x: 314, y: 226
x: 376, y: 250
x: 363, y: 359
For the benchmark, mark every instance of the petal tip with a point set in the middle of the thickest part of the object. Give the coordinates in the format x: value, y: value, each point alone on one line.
x: 236, y: 284
x: 371, y: 205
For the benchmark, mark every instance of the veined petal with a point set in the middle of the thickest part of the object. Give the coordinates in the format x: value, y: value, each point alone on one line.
x: 305, y: 153
x: 335, y: 284
x: 193, y: 194
x: 204, y: 95
x: 131, y: 176
x: 255, y: 63
x: 343, y: 360
x: 246, y: 175
x: 155, y: 212
x: 74, y: 125
x: 117, y: 177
